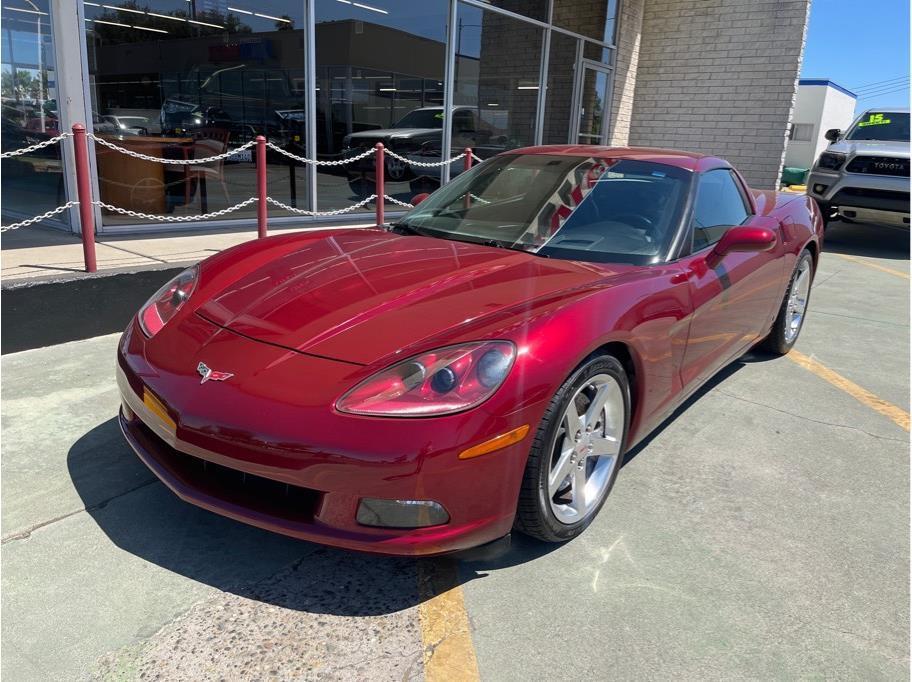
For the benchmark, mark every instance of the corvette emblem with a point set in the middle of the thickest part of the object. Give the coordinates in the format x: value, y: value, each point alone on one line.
x: 211, y: 374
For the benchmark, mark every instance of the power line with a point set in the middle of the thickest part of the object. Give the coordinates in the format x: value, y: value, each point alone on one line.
x: 884, y: 88
x: 862, y: 91
x: 867, y: 85
x: 888, y: 92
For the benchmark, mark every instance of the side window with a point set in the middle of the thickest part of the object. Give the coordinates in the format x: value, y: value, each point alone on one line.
x: 719, y: 205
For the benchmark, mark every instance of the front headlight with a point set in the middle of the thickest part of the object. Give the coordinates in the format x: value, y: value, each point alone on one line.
x: 165, y: 302
x: 441, y: 381
x: 831, y: 160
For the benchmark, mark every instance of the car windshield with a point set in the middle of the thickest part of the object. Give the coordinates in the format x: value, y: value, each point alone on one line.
x: 422, y: 118
x: 881, y: 125
x: 597, y: 209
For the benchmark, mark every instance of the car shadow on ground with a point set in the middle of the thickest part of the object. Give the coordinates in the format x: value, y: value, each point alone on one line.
x: 864, y: 239
x: 142, y: 517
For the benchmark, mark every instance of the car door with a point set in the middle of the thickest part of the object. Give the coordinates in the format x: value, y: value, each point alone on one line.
x: 732, y: 301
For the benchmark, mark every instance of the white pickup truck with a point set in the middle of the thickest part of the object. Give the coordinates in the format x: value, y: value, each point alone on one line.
x: 864, y: 174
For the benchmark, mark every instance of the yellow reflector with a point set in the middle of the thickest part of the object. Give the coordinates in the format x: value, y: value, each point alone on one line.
x: 497, y: 443
x: 157, y: 408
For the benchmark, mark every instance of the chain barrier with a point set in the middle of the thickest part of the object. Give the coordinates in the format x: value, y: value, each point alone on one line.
x: 339, y: 162
x: 38, y: 218
x: 172, y: 218
x: 476, y: 158
x: 404, y: 204
x: 423, y: 164
x: 340, y: 211
x: 171, y: 162
x: 35, y: 147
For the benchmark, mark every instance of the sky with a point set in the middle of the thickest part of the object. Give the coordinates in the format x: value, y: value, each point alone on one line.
x: 862, y: 46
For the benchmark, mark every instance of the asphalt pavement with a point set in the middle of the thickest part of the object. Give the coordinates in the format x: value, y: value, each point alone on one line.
x: 763, y: 533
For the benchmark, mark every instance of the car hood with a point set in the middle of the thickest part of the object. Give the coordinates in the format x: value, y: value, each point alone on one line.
x: 361, y: 295
x: 871, y: 148
x: 393, y: 133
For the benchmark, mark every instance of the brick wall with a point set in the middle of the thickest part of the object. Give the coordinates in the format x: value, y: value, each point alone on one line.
x: 715, y: 76
x: 630, y: 24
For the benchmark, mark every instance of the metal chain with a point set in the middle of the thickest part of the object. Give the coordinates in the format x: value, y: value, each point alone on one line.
x: 172, y: 162
x: 397, y: 202
x: 340, y: 162
x: 476, y: 158
x: 175, y: 219
x: 301, y: 211
x: 35, y: 147
x: 38, y: 218
x: 422, y: 164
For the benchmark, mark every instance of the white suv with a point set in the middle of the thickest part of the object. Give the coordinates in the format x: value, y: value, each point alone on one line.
x: 864, y: 174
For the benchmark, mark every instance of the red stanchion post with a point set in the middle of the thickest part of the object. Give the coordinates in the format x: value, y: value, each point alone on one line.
x: 261, y: 185
x: 467, y: 164
x: 380, y: 174
x: 84, y: 192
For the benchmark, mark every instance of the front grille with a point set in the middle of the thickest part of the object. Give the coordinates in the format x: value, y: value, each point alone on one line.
x: 879, y: 165
x: 256, y: 493
x: 875, y: 193
x: 880, y: 199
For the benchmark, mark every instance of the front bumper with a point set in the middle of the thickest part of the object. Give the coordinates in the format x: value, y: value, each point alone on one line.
x: 310, y: 489
x: 874, y: 195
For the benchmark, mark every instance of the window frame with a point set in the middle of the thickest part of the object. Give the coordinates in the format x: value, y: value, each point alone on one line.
x: 742, y: 192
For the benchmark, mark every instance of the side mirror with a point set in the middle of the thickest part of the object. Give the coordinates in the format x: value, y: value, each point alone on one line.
x: 832, y: 134
x: 742, y: 238
x: 418, y: 198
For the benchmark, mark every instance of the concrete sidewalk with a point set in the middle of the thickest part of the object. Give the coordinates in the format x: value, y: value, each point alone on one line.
x: 38, y: 252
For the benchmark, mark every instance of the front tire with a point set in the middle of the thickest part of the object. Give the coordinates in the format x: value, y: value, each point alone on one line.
x: 576, y: 453
x: 793, y: 309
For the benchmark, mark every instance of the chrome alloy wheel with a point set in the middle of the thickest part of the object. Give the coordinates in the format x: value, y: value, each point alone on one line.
x: 797, y: 301
x: 586, y: 449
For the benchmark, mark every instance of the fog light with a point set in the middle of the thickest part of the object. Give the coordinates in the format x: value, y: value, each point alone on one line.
x: 401, y: 513
x: 819, y: 189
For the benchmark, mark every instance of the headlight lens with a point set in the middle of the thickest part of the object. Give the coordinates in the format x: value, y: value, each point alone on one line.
x: 831, y: 160
x: 438, y: 382
x: 165, y: 303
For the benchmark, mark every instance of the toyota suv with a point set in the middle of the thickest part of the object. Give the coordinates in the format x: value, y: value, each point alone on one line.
x: 864, y: 174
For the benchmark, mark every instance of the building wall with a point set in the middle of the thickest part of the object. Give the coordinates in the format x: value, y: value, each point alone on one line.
x: 630, y: 25
x: 824, y: 107
x: 719, y: 77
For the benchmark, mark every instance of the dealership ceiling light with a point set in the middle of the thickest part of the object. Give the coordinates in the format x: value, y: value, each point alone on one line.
x: 153, y: 14
x: 26, y: 11
x: 257, y: 14
x: 362, y: 6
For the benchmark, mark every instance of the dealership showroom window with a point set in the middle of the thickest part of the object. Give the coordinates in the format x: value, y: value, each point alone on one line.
x: 185, y: 79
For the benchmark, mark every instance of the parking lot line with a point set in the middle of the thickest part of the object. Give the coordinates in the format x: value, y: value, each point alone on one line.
x: 448, y: 650
x: 862, y: 395
x: 876, y: 266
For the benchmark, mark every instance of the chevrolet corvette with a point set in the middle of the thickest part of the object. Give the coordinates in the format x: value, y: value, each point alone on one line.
x: 481, y: 365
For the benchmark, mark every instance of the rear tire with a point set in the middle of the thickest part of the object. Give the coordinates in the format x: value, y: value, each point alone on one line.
x: 793, y: 309
x: 576, y: 453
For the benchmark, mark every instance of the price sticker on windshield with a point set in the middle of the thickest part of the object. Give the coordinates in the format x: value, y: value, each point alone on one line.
x: 874, y: 120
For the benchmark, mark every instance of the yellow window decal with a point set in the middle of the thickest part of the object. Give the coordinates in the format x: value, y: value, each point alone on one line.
x: 874, y: 120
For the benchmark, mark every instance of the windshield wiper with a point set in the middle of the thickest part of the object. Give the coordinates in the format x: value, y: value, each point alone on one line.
x: 503, y: 245
x: 404, y: 228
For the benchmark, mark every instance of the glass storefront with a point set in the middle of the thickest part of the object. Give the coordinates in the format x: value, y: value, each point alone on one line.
x: 181, y: 80
x: 32, y: 183
x: 184, y: 79
x: 498, y: 69
x: 380, y: 78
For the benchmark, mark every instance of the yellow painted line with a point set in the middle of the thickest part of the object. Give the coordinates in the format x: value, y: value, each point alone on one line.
x: 876, y: 266
x: 449, y: 654
x: 862, y: 395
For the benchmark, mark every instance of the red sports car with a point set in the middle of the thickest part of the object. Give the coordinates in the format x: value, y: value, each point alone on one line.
x: 481, y: 365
